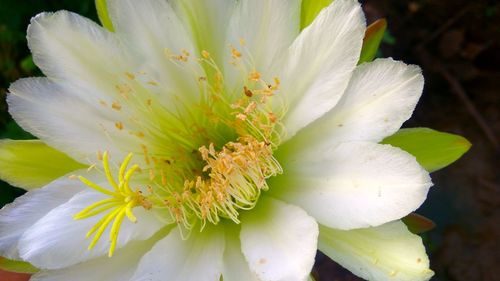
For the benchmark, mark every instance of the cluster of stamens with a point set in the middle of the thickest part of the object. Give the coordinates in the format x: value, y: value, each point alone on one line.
x: 235, y: 177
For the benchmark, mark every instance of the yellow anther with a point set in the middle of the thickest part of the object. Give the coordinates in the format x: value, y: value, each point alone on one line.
x: 130, y: 75
x: 247, y: 92
x: 205, y: 54
x: 116, y: 105
x: 254, y: 76
x: 119, y: 125
x: 235, y: 53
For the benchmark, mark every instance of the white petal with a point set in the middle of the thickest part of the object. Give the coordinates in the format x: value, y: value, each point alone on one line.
x: 20, y: 215
x: 118, y: 268
x: 150, y: 28
x: 72, y: 48
x: 268, y: 28
x: 387, y: 252
x: 207, y: 22
x: 358, y: 184
x: 320, y: 63
x: 235, y: 268
x: 380, y: 97
x: 278, y: 241
x: 63, y: 117
x: 199, y: 258
x: 57, y: 240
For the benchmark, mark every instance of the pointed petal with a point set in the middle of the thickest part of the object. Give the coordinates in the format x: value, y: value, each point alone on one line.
x: 320, y: 63
x: 199, y: 258
x: 61, y: 116
x: 69, y: 47
x: 380, y: 97
x: 267, y: 29
x: 356, y: 185
x: 20, y: 215
x: 32, y: 164
x: 57, y: 240
x: 118, y: 268
x: 207, y: 22
x: 150, y: 29
x: 386, y: 252
x: 235, y: 265
x: 279, y: 241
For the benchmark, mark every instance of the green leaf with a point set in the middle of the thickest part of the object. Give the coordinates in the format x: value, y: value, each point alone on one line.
x: 434, y: 150
x: 17, y: 266
x: 31, y: 163
x: 373, y: 36
x: 310, y: 9
x: 418, y: 224
x: 102, y: 12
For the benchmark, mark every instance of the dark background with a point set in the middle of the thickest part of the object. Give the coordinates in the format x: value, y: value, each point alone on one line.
x: 457, y: 43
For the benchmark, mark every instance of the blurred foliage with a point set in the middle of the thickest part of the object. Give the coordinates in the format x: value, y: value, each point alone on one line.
x: 16, y: 60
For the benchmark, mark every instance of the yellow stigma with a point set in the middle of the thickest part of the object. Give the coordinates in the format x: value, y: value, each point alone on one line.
x: 120, y: 204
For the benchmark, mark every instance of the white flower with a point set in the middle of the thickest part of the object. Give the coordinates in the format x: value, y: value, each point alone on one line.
x: 221, y: 140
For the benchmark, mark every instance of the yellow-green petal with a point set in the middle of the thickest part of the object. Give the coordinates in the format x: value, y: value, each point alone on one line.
x: 310, y: 9
x: 434, y: 150
x: 373, y: 36
x: 102, y: 12
x: 17, y: 266
x: 386, y: 252
x: 31, y: 163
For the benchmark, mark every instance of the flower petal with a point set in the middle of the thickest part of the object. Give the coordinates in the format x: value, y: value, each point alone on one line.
x: 20, y: 215
x: 380, y: 97
x: 32, y: 164
x: 267, y: 29
x: 62, y: 117
x: 69, y: 47
x: 278, y: 241
x: 320, y: 63
x: 57, y: 240
x: 235, y: 265
x: 386, y: 252
x: 118, y: 268
x: 207, y: 22
x: 358, y: 184
x: 199, y: 258
x: 151, y: 30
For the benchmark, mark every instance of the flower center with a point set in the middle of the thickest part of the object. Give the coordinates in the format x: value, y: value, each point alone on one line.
x: 232, y: 181
x: 203, y: 160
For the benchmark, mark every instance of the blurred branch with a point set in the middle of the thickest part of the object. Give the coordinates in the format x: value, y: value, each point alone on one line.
x: 458, y: 90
